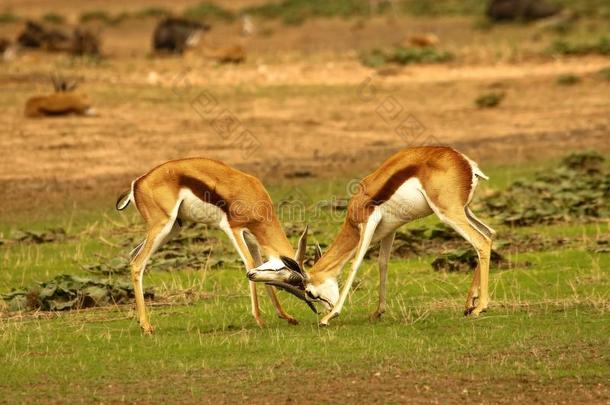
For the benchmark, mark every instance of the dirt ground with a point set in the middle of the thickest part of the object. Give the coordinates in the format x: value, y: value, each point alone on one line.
x: 302, y: 102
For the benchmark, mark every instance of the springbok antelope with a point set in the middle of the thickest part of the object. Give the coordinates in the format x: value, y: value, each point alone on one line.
x: 411, y: 184
x: 210, y: 192
x: 64, y: 101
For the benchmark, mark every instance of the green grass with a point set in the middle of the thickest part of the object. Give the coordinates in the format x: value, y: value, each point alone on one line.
x: 547, y: 327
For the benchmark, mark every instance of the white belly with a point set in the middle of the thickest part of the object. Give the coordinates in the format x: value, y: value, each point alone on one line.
x: 406, y: 204
x: 192, y: 208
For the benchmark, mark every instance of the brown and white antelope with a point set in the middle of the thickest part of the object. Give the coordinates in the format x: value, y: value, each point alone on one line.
x: 411, y: 184
x: 65, y: 100
x: 210, y: 192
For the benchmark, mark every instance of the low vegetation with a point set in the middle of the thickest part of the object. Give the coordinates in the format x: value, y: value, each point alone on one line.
x: 7, y: 16
x: 54, y: 18
x: 208, y: 11
x: 577, y: 189
x: 564, y: 47
x: 543, y: 333
x: 405, y: 56
x: 490, y: 100
x: 568, y: 79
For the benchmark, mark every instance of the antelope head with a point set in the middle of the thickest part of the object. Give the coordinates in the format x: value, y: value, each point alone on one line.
x: 289, y: 275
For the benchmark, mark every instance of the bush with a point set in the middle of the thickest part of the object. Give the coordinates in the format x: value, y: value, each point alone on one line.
x: 562, y: 47
x: 297, y: 11
x: 210, y: 11
x: 54, y: 18
x: 152, y: 12
x: 7, y: 16
x: 404, y: 56
x: 444, y: 7
x: 96, y: 15
x: 489, y: 100
x: 568, y: 80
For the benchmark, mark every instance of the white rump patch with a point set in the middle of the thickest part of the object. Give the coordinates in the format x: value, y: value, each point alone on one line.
x: 407, y: 204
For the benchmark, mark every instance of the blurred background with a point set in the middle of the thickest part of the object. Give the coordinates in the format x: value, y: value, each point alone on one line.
x: 289, y: 88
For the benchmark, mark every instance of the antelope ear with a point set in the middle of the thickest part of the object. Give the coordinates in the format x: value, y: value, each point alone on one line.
x: 317, y: 253
x: 302, y: 247
x: 291, y: 264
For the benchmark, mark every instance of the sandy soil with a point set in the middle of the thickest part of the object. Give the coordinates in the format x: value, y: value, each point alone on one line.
x: 301, y: 102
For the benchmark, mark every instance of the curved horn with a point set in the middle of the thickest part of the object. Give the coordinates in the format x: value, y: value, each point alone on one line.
x: 318, y: 253
x: 297, y: 292
x: 302, y: 247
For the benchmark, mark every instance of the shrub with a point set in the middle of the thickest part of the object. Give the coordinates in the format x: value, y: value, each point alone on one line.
x: 54, y: 18
x: 568, y: 79
x: 152, y: 12
x: 404, y: 56
x: 296, y: 11
x: 563, y: 47
x: 7, y: 16
x: 210, y: 11
x: 489, y: 100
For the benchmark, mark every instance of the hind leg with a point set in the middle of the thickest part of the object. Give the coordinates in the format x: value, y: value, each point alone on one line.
x: 454, y: 214
x: 482, y: 244
x: 385, y: 250
x: 156, y: 235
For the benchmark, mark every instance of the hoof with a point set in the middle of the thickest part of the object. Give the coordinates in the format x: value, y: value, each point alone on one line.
x: 260, y: 322
x: 478, y: 311
x: 375, y: 316
x: 468, y: 311
x: 147, y: 329
x: 327, y: 318
x: 290, y: 320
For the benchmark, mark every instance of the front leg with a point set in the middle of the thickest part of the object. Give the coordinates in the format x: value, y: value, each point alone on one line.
x: 366, y: 236
x: 252, y: 246
x: 237, y: 238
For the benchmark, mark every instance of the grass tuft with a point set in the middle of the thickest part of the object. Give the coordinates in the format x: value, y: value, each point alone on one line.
x: 565, y: 47
x: 404, y: 56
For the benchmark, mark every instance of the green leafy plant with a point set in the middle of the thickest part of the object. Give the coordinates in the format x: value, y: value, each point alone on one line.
x: 578, y: 188
x: 66, y: 292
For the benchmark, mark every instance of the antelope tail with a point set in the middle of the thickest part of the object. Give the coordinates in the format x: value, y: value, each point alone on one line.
x: 123, y: 201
